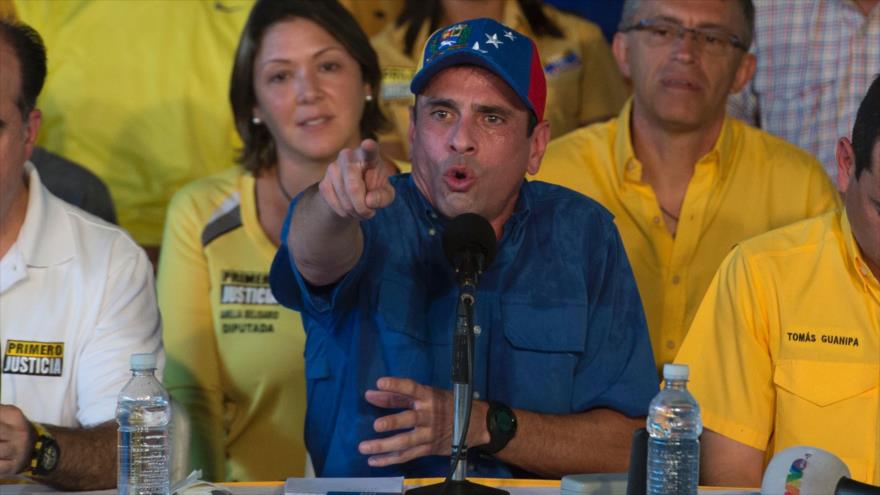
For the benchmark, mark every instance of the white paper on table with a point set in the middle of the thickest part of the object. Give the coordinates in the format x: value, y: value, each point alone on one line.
x: 320, y: 486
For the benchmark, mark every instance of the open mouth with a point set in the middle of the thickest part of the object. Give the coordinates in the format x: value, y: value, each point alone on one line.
x: 459, y: 178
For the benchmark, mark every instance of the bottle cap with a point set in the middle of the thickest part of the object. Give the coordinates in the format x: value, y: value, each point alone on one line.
x: 675, y: 372
x: 143, y: 362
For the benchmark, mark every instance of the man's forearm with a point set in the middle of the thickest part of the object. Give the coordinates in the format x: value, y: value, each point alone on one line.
x: 555, y: 445
x: 88, y: 457
x: 325, y: 246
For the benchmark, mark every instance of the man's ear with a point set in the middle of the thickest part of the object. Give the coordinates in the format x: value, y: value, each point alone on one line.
x: 32, y: 128
x: 744, y: 73
x: 846, y: 163
x: 411, y: 132
x: 619, y: 47
x: 540, y: 138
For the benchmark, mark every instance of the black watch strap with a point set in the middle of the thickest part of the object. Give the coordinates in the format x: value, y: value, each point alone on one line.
x: 46, y: 453
x: 501, y: 423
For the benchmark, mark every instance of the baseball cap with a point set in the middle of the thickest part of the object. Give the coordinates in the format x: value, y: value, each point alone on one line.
x: 487, y: 43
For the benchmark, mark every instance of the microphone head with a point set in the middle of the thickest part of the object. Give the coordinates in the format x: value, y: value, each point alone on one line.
x: 804, y: 470
x: 469, y: 233
x: 847, y: 486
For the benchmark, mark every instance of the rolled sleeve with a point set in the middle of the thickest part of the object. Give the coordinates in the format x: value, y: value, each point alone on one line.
x: 292, y: 290
x: 618, y: 347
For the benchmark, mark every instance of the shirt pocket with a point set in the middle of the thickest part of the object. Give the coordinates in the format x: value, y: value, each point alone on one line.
x: 831, y: 405
x: 543, y: 348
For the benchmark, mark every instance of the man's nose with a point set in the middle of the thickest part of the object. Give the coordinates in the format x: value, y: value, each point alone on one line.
x: 686, y: 46
x: 461, y: 139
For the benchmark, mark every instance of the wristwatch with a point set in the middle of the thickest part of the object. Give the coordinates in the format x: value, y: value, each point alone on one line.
x: 46, y: 453
x: 501, y: 423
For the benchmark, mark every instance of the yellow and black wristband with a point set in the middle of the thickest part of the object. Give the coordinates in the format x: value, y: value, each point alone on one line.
x: 46, y: 453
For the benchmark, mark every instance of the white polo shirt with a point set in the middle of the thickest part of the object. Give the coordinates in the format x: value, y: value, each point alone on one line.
x: 77, y: 298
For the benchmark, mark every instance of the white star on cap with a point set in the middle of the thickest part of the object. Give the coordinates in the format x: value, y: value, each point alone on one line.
x: 493, y: 40
x: 509, y: 34
x: 477, y: 47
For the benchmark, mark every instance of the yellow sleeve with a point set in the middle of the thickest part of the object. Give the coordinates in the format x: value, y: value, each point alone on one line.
x: 822, y: 196
x: 7, y: 10
x: 728, y: 354
x: 192, y: 371
x: 603, y: 89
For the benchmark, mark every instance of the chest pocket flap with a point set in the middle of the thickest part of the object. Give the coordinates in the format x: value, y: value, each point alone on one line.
x: 825, y: 383
x: 557, y: 329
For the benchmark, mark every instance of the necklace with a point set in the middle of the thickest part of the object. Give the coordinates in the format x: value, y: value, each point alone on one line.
x: 287, y: 194
x: 664, y: 210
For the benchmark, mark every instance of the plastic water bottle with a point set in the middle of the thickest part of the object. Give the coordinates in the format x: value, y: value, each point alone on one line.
x: 144, y: 415
x: 674, y: 427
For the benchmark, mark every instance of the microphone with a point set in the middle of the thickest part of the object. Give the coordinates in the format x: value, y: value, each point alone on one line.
x: 847, y: 486
x: 804, y: 470
x: 469, y: 245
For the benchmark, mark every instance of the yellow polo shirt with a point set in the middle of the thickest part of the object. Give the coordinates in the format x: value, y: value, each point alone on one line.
x: 138, y: 92
x: 785, y: 348
x: 234, y: 355
x: 583, y: 82
x: 749, y: 183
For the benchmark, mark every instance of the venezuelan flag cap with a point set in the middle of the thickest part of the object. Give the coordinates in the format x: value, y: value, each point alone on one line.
x: 510, y: 55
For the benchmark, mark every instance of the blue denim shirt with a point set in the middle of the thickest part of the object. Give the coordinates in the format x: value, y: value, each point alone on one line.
x: 562, y: 326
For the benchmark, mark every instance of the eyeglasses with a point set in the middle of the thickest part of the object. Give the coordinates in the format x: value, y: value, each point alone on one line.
x: 710, y: 41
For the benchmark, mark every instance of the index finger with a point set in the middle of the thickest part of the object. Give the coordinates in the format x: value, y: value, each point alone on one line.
x: 368, y: 153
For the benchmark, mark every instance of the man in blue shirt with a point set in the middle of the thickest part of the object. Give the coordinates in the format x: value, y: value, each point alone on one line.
x: 562, y: 344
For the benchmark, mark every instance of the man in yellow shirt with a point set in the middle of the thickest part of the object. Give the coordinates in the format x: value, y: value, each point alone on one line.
x: 684, y: 182
x: 785, y: 349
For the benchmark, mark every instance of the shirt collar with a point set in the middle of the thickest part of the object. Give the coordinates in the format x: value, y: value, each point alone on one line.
x: 46, y: 237
x: 629, y: 168
x: 854, y: 253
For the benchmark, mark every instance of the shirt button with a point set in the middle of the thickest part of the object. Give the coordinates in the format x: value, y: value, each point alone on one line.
x: 630, y: 165
x: 477, y: 330
x: 656, y: 220
x: 676, y: 279
x: 670, y: 344
x: 433, y: 215
x: 863, y: 269
x: 432, y: 231
x: 476, y: 395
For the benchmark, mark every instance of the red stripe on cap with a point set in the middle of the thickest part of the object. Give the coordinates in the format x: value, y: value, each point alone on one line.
x: 537, y: 84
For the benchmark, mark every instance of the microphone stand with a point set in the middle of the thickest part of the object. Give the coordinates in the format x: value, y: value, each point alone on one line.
x: 462, y: 376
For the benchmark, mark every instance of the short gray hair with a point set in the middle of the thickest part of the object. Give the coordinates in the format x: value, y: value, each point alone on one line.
x: 631, y: 7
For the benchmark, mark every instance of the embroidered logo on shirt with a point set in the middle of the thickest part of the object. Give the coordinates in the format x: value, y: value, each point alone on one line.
x: 566, y: 62
x: 808, y: 337
x: 33, y: 358
x: 395, y: 83
x: 245, y: 288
